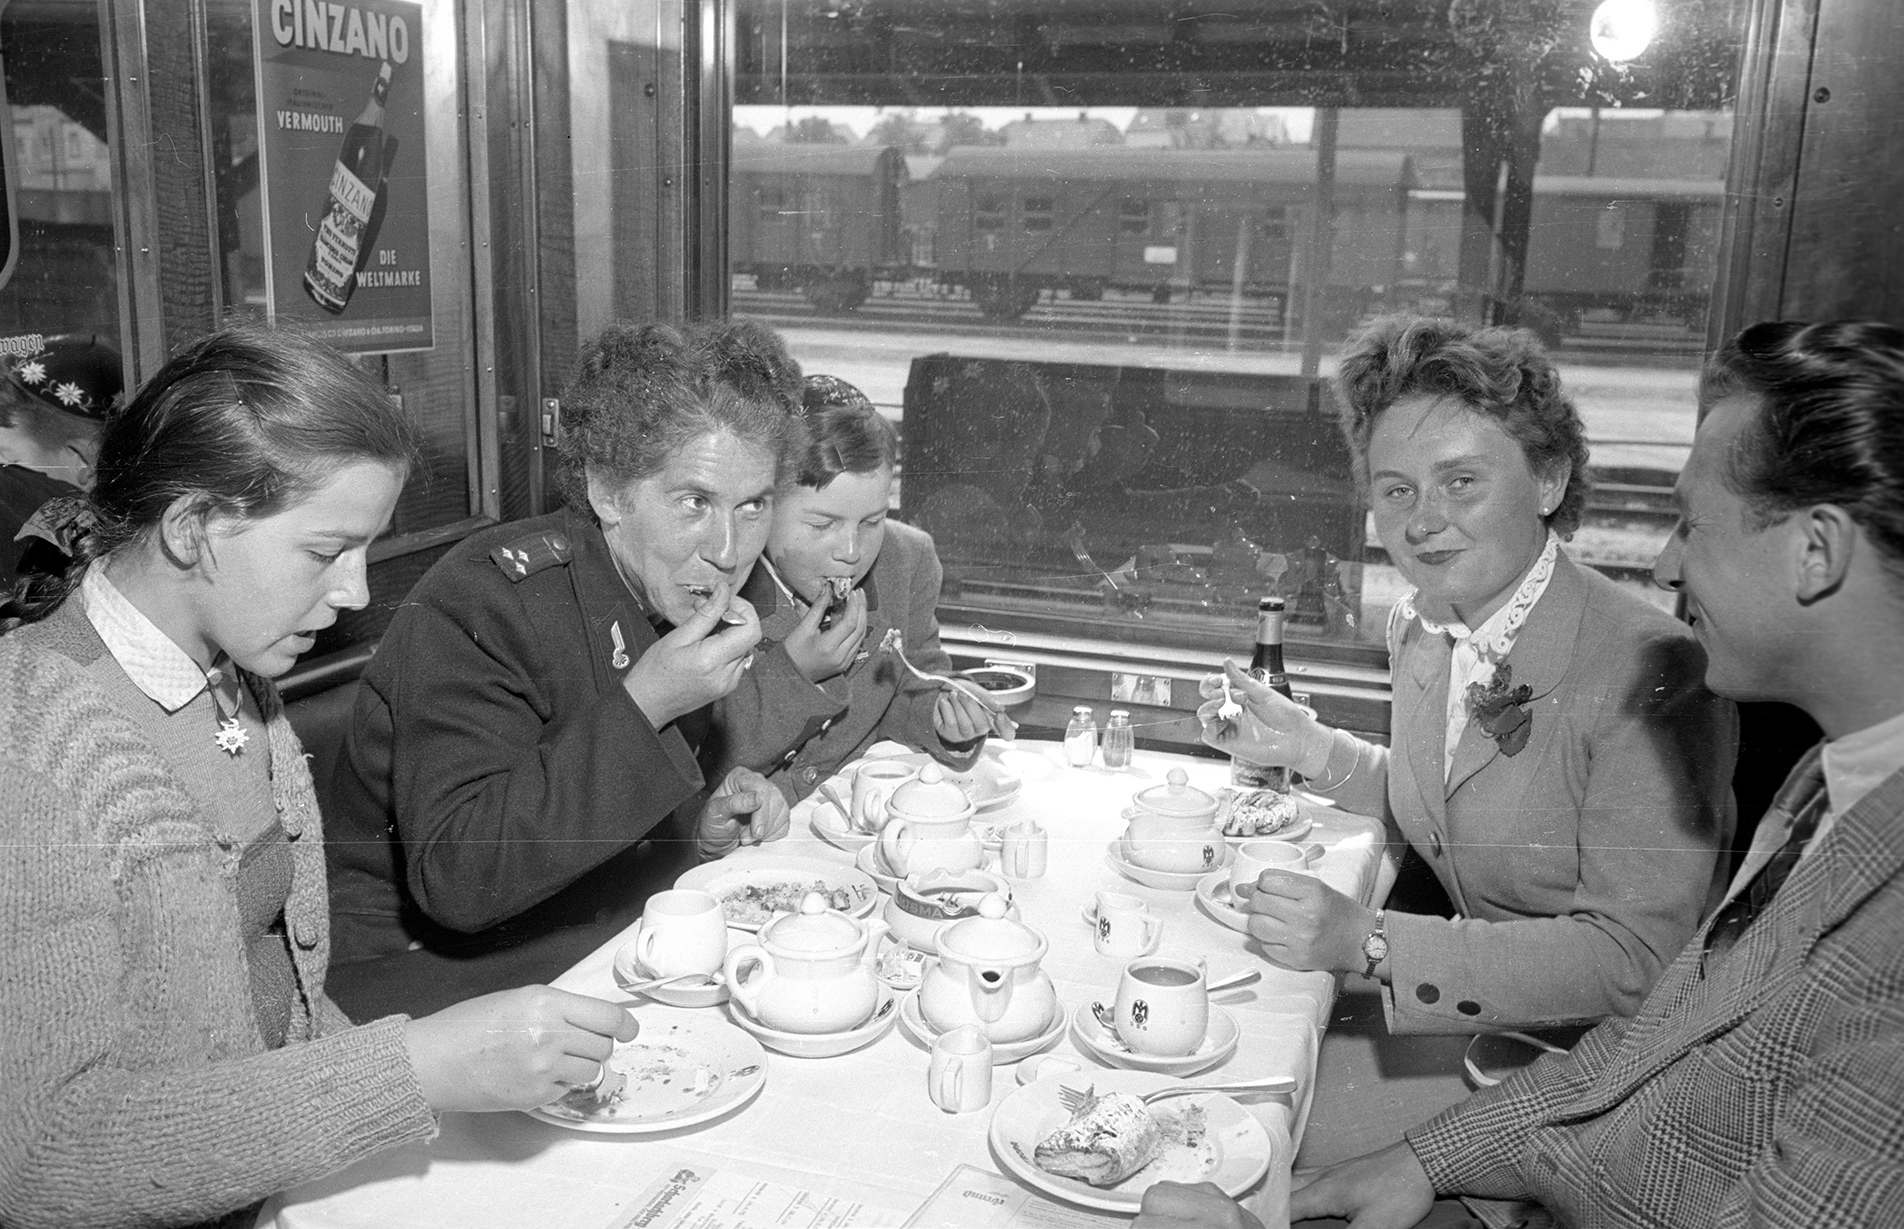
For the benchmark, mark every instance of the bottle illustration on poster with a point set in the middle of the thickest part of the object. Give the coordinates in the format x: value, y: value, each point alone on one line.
x: 347, y: 223
x: 345, y: 236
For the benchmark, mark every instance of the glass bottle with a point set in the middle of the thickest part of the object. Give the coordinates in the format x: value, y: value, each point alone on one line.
x: 1266, y: 666
x: 1119, y: 742
x: 1080, y: 737
x: 331, y: 274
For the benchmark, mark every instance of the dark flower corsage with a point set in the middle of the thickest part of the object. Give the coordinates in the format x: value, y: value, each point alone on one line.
x: 1497, y: 706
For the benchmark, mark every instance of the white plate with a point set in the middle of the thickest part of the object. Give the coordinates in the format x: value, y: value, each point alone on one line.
x: 1241, y: 1145
x: 629, y: 970
x: 988, y: 782
x: 1171, y: 881
x: 1218, y: 1044
x: 822, y: 1045
x: 765, y: 866
x: 1213, y: 897
x: 1003, y: 1052
x: 685, y: 1067
x: 1292, y: 832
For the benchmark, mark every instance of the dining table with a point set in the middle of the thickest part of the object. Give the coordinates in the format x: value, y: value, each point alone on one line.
x: 855, y: 1136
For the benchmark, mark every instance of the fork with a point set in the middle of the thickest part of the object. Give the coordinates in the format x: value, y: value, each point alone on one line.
x: 1071, y: 1099
x: 1002, y: 725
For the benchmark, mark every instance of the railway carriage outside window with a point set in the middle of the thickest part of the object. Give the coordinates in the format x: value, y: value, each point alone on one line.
x: 1152, y: 231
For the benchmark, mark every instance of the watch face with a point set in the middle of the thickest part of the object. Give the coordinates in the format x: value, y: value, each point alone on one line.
x: 1375, y: 947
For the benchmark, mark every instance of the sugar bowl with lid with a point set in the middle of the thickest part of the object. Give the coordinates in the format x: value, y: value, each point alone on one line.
x: 987, y: 974
x: 811, y: 972
x: 1174, y: 827
x: 930, y: 826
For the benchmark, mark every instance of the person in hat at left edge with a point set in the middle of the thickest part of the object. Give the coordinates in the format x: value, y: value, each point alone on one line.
x: 53, y: 404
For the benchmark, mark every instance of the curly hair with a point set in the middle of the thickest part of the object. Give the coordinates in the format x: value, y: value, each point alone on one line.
x: 1831, y: 425
x: 1502, y: 373
x: 641, y: 392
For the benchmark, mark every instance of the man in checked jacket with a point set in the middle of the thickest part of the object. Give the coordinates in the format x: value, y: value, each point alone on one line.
x: 1762, y: 1082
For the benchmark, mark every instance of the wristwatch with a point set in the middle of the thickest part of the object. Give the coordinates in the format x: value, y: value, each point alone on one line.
x: 1375, y: 947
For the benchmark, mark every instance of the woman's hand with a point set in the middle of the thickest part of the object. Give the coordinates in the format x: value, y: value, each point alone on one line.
x: 960, y: 718
x: 1174, y: 1205
x: 1272, y: 730
x: 690, y: 667
x: 819, y: 655
x: 513, y: 1050
x: 1383, y: 1190
x: 745, y: 809
x: 1306, y: 924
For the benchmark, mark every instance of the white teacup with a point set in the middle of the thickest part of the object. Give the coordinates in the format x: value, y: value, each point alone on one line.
x: 1255, y: 857
x: 681, y: 931
x: 1163, y: 1006
x: 873, y: 784
x: 1125, y: 926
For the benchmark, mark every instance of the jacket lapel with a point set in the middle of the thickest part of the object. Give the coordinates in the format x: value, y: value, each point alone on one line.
x: 1540, y: 657
x: 1425, y: 720
x: 617, y: 620
x: 1862, y: 852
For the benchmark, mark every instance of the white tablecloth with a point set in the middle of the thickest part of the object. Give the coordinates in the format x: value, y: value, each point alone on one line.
x: 861, y: 1124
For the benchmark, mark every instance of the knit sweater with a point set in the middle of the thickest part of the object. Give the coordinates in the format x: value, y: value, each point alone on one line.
x: 135, y: 1088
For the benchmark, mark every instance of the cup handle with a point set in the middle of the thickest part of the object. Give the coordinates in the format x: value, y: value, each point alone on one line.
x: 875, y: 799
x: 949, y: 1092
x: 748, y: 992
x: 1153, y: 933
x: 644, y: 946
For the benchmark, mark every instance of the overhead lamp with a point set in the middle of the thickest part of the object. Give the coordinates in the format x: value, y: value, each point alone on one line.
x: 1622, y: 30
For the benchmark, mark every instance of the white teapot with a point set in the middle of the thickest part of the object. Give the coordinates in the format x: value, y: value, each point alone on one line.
x: 930, y: 827
x: 1173, y: 827
x: 987, y: 974
x: 815, y: 970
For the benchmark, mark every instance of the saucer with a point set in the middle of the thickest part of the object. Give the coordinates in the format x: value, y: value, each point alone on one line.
x: 1218, y: 1044
x: 1213, y: 897
x: 831, y: 826
x: 1002, y: 1051
x: 821, y: 1045
x: 628, y: 969
x: 869, y: 862
x: 1172, y: 881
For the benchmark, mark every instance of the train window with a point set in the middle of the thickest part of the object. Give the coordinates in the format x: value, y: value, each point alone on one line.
x: 1116, y: 416
x: 774, y: 204
x: 61, y: 275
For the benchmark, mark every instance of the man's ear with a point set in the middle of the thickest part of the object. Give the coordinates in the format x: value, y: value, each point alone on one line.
x: 1827, y: 536
x: 602, y: 497
x: 183, y: 534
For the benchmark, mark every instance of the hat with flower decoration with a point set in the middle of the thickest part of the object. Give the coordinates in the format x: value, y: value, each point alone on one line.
x: 80, y: 373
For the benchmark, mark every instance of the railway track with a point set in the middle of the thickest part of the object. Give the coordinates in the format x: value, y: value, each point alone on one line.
x: 1253, y: 324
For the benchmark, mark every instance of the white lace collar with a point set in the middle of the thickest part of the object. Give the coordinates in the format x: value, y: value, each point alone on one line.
x: 1495, y: 637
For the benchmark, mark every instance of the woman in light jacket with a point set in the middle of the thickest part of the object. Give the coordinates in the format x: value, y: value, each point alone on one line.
x: 1556, y: 759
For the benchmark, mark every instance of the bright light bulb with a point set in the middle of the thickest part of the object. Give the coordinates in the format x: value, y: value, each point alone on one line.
x: 1623, y: 29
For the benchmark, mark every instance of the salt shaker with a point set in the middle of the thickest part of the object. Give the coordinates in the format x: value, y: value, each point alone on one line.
x: 1080, y: 737
x: 1118, y: 740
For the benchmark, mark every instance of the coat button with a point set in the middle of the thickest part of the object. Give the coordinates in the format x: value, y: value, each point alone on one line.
x: 1468, y: 1007
x: 826, y: 725
x: 1428, y: 992
x: 304, y: 935
x: 1434, y: 844
x: 809, y: 775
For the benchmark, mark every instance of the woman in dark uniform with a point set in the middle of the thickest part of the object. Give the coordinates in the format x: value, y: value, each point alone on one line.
x: 521, y: 772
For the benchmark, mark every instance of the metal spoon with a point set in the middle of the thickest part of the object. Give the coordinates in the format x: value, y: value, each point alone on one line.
x: 642, y: 987
x: 1002, y: 725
